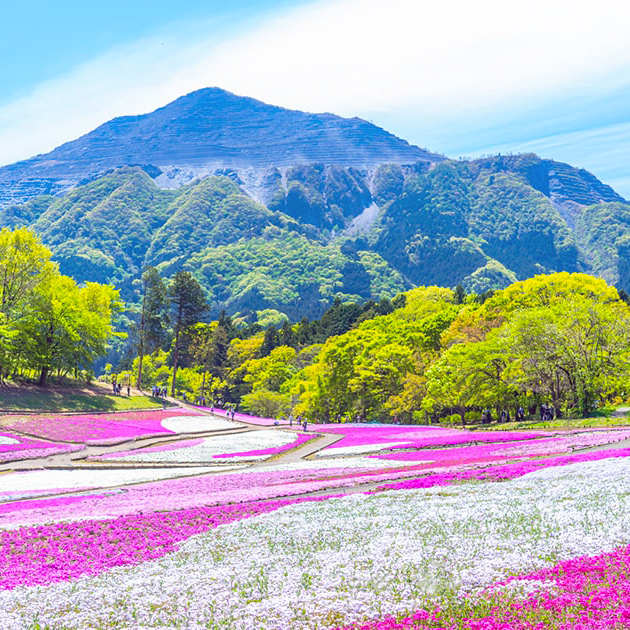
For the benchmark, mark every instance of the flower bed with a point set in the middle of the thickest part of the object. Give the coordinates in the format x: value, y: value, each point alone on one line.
x: 53, y: 553
x: 112, y: 428
x: 18, y: 485
x: 374, y: 438
x: 16, y: 447
x: 249, y: 446
x: 497, y: 452
x: 217, y: 489
x: 330, y: 563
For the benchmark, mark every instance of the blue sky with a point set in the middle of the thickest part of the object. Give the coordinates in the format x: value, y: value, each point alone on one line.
x: 460, y: 78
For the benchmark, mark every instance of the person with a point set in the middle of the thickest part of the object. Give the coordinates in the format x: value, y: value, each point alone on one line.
x: 503, y: 416
x: 184, y: 396
x: 276, y: 422
x: 543, y: 412
x: 520, y: 414
x: 290, y: 419
x: 128, y: 391
x: 114, y: 386
x: 305, y: 424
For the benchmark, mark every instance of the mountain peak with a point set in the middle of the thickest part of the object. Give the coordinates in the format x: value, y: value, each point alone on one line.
x: 206, y: 131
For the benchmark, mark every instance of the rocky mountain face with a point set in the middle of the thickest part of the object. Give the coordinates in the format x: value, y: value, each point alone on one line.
x: 275, y: 209
x: 208, y: 132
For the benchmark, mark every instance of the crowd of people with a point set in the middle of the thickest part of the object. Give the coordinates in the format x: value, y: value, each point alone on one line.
x: 160, y: 392
x: 547, y: 412
x: 117, y: 389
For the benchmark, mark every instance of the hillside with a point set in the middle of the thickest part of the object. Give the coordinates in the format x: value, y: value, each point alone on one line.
x: 286, y: 210
x: 330, y: 231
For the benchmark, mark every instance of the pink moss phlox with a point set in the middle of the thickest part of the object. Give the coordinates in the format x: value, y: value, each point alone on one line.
x: 503, y: 473
x: 29, y: 448
x: 96, y: 428
x: 587, y: 593
x: 59, y: 552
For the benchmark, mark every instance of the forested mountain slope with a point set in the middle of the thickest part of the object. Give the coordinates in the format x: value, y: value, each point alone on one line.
x: 278, y: 209
x: 339, y: 231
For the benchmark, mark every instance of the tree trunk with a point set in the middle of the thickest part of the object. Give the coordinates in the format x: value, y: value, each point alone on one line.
x: 175, y: 349
x: 43, y: 375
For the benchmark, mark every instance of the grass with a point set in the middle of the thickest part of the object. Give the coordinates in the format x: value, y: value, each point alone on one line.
x: 22, y: 397
x: 561, y: 423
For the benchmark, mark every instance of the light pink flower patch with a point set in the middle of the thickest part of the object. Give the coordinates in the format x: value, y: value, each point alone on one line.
x: 17, y: 447
x: 160, y: 448
x: 408, y: 437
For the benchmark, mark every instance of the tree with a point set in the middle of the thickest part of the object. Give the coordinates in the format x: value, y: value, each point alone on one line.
x: 68, y: 326
x: 270, y: 341
x: 24, y: 264
x: 188, y: 304
x: 572, y: 352
x: 153, y: 317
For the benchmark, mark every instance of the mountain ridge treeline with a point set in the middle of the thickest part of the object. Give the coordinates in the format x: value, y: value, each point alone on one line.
x: 338, y: 232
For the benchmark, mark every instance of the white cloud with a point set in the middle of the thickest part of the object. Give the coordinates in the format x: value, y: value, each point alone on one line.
x: 346, y: 56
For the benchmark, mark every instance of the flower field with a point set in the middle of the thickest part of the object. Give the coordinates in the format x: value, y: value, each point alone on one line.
x: 248, y: 446
x: 102, y: 429
x: 16, y: 447
x: 387, y: 528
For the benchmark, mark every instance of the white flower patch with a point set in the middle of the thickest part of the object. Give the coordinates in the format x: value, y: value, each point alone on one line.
x: 218, y: 445
x: 358, y: 449
x: 41, y: 482
x: 349, y: 559
x: 197, y: 424
x: 344, y: 463
x: 8, y: 440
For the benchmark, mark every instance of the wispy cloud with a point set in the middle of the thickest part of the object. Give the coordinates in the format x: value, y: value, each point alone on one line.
x: 444, y: 62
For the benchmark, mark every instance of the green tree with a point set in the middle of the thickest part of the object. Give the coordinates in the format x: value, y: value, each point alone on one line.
x: 153, y: 317
x: 188, y: 305
x: 68, y: 326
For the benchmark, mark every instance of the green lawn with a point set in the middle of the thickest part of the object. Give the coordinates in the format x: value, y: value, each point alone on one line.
x: 563, y: 423
x: 94, y: 398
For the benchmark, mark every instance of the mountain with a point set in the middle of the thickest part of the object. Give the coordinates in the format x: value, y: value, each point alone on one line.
x: 207, y: 132
x: 276, y: 209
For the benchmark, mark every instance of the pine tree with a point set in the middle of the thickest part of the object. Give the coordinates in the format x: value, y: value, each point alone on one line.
x: 188, y: 305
